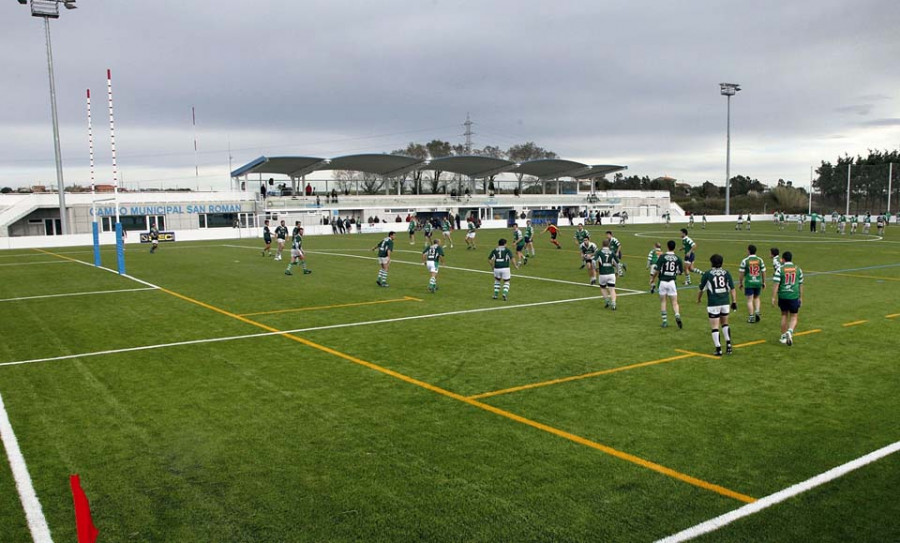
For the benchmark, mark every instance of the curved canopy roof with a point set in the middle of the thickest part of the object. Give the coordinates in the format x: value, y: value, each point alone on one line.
x: 398, y: 165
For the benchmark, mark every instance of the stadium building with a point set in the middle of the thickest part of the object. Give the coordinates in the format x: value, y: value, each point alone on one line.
x: 276, y: 188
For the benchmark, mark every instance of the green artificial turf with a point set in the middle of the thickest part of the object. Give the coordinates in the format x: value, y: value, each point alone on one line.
x: 358, y: 427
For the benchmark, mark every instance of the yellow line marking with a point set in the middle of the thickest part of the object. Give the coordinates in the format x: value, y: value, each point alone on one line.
x: 335, y: 306
x: 749, y: 343
x: 699, y: 354
x: 474, y: 403
x: 892, y: 316
x: 60, y: 256
x: 854, y: 323
x: 807, y: 332
x: 577, y: 377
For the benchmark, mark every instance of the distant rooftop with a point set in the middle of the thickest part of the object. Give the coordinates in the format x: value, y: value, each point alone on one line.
x: 475, y: 167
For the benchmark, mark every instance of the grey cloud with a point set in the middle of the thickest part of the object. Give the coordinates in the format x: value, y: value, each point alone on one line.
x: 882, y: 122
x: 859, y: 109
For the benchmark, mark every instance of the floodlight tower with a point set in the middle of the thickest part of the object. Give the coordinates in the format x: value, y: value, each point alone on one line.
x: 728, y: 90
x: 49, y: 9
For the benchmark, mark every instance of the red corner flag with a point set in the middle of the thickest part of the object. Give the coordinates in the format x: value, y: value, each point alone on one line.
x: 87, y: 533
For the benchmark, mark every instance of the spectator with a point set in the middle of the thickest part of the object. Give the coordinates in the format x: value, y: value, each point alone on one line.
x: 308, y: 189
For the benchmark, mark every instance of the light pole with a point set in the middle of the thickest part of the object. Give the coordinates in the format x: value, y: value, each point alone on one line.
x: 728, y: 90
x: 49, y: 9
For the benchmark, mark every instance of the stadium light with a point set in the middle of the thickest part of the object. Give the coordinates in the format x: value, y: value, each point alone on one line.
x: 728, y: 90
x: 49, y: 9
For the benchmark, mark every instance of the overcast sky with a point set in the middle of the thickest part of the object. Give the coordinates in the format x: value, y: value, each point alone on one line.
x: 605, y: 82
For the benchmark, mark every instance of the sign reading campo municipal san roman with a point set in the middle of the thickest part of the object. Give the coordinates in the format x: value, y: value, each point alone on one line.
x: 168, y: 209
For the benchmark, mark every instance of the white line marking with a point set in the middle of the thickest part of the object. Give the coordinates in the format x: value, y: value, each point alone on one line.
x: 90, y: 265
x: 445, y: 267
x: 298, y: 330
x: 76, y: 294
x: 37, y: 524
x: 772, y: 499
x: 782, y: 238
x: 34, y: 263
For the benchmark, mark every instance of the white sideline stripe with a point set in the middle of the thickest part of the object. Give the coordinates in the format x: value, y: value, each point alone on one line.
x: 141, y: 281
x: 780, y: 496
x: 37, y: 524
x: 35, y: 263
x: 76, y: 294
x: 332, y: 253
x: 328, y: 253
x: 295, y: 331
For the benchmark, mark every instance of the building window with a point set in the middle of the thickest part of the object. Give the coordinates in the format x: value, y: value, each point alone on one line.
x: 217, y: 220
x: 131, y: 223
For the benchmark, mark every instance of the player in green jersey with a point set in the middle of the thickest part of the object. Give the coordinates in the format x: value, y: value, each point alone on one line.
x: 776, y: 259
x: 471, y: 227
x: 789, y: 294
x: 519, y: 240
x: 267, y: 239
x: 703, y: 221
x: 411, y: 229
x: 652, y: 257
x: 501, y: 258
x: 616, y: 246
x: 580, y: 234
x: 385, y: 249
x: 281, y: 233
x: 690, y: 220
x: 588, y: 248
x: 529, y: 238
x: 446, y: 227
x: 433, y: 257
x: 426, y: 231
x: 297, y: 255
x: 605, y: 262
x: 752, y: 278
x: 854, y: 221
x: 668, y: 266
x: 719, y: 288
x: 867, y: 223
x: 689, y: 255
